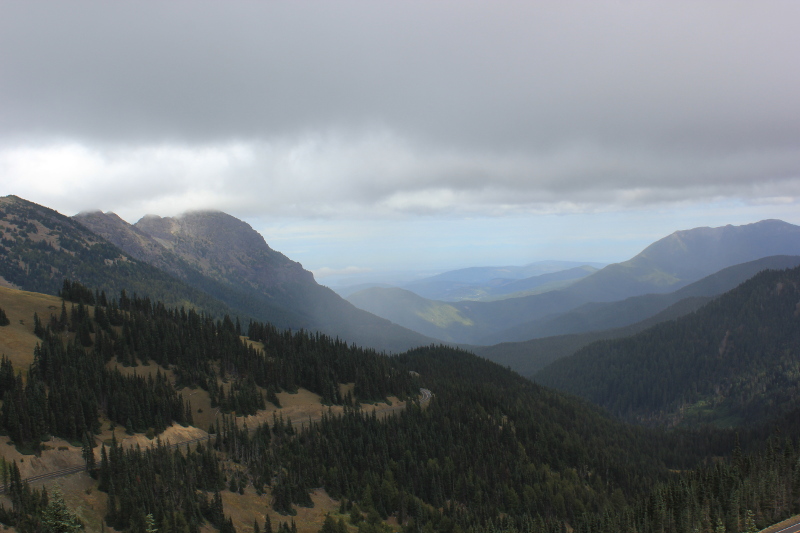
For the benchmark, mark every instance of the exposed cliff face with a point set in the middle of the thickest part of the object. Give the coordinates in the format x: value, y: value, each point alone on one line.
x: 224, y: 248
x: 135, y: 242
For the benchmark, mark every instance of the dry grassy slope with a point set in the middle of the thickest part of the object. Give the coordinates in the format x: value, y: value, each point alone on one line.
x: 17, y: 342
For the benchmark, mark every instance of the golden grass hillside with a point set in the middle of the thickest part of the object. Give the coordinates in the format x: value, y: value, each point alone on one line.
x: 17, y: 342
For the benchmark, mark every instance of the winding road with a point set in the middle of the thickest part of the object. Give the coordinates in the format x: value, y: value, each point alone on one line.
x: 793, y: 528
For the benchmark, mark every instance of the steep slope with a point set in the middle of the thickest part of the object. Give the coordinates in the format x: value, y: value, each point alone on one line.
x: 135, y: 242
x: 225, y: 257
x: 40, y: 247
x: 145, y: 248
x: 224, y: 248
x: 17, y: 340
x: 665, y: 266
x: 688, y: 255
x: 733, y: 362
x: 597, y: 316
x: 529, y: 357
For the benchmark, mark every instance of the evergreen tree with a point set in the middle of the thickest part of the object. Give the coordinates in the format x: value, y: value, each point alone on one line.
x: 329, y: 526
x: 57, y: 518
x: 150, y: 524
x: 88, y: 452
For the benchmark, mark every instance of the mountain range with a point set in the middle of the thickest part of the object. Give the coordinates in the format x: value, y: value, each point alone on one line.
x: 207, y: 260
x: 665, y: 266
x: 231, y: 261
x: 218, y: 263
x: 40, y: 247
x: 489, y: 448
x: 601, y: 321
x: 484, y: 283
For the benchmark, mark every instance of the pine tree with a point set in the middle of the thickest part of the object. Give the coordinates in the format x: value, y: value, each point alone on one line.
x: 88, y: 452
x: 4, y: 321
x: 57, y: 518
x: 38, y: 328
x: 329, y: 526
x: 749, y: 522
x: 150, y: 524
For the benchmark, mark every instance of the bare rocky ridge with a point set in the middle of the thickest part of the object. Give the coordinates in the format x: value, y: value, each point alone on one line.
x: 40, y: 247
x: 232, y: 262
x: 224, y: 248
x: 127, y: 237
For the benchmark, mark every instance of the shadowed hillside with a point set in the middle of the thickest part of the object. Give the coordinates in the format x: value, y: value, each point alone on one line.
x: 598, y: 316
x: 229, y: 260
x: 40, y: 247
x: 732, y: 362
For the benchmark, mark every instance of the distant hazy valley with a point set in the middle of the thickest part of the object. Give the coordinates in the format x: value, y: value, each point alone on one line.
x: 581, y: 301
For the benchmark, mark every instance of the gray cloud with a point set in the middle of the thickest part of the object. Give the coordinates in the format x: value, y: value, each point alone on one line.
x: 378, y: 109
x: 377, y: 175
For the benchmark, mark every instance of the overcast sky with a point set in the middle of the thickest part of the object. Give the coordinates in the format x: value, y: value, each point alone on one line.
x: 373, y: 136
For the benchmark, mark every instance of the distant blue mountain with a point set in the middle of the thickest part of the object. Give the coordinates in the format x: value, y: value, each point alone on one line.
x: 665, y: 266
x: 477, y: 283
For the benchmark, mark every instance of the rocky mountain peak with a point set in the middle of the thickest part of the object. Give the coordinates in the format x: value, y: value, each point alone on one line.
x: 223, y: 247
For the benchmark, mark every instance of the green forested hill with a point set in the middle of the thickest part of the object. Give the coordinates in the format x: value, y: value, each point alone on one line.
x: 598, y: 316
x: 736, y: 361
x: 490, y: 448
x: 615, y: 320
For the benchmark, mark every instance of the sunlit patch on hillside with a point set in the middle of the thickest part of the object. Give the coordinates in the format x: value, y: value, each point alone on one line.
x: 443, y: 316
x: 17, y: 340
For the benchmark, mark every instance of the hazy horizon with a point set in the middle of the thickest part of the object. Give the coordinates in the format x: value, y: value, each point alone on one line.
x: 367, y: 138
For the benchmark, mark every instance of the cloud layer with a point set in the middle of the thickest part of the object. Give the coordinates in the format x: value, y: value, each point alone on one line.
x: 378, y: 175
x: 364, y: 110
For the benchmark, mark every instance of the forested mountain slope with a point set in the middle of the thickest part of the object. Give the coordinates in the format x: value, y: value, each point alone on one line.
x: 226, y: 258
x: 736, y: 361
x: 529, y: 357
x: 636, y: 313
x: 665, y: 266
x: 491, y: 448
